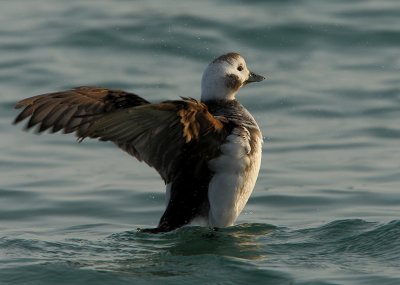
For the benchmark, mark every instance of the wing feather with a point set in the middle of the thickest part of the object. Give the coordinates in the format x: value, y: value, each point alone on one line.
x: 158, y: 133
x: 72, y: 108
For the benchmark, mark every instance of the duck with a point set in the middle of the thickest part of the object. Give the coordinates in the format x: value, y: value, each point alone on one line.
x: 208, y: 151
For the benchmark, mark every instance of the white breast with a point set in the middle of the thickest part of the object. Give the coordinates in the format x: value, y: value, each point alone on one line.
x: 236, y: 171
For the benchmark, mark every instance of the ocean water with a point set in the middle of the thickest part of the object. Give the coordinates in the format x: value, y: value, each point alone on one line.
x: 326, y: 206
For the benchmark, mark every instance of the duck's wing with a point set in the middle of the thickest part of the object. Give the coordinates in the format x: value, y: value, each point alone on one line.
x: 155, y: 133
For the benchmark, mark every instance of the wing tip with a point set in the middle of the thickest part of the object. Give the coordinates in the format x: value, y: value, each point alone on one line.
x: 21, y: 116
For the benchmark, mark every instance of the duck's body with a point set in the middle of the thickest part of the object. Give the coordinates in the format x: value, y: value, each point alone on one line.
x: 208, y: 153
x: 217, y: 178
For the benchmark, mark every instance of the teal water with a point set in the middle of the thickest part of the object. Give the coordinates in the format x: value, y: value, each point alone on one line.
x: 326, y: 206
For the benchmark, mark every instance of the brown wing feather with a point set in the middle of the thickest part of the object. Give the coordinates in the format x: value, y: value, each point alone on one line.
x: 154, y: 133
x: 158, y: 133
x: 71, y: 110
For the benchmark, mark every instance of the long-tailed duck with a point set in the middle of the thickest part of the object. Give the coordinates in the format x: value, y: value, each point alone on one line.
x: 207, y: 152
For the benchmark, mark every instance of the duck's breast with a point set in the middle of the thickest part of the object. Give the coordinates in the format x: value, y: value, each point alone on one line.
x: 235, y: 174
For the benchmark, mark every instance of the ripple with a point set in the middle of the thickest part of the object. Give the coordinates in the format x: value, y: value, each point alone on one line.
x: 382, y: 132
x: 191, y: 250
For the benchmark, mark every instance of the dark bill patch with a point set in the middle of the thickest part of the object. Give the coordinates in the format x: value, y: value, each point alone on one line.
x: 233, y: 82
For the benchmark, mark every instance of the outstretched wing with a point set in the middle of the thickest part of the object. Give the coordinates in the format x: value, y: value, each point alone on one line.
x: 158, y: 134
x: 72, y: 110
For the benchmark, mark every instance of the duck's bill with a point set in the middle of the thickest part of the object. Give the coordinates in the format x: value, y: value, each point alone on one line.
x: 254, y: 78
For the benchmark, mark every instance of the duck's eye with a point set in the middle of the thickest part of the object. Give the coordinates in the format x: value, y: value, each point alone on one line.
x: 240, y: 68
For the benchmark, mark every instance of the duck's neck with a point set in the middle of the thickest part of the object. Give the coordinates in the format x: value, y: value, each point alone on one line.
x: 209, y: 93
x: 212, y: 97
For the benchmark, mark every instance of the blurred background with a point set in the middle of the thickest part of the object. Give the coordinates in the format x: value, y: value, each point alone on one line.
x: 326, y: 206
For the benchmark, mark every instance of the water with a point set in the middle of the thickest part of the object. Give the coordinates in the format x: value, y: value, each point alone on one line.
x: 326, y: 206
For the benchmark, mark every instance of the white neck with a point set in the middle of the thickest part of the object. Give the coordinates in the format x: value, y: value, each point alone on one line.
x: 214, y: 93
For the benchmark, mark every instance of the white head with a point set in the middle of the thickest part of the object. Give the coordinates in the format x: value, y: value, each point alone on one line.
x: 224, y: 76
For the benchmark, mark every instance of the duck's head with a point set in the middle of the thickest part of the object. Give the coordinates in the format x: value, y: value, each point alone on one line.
x: 224, y: 76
